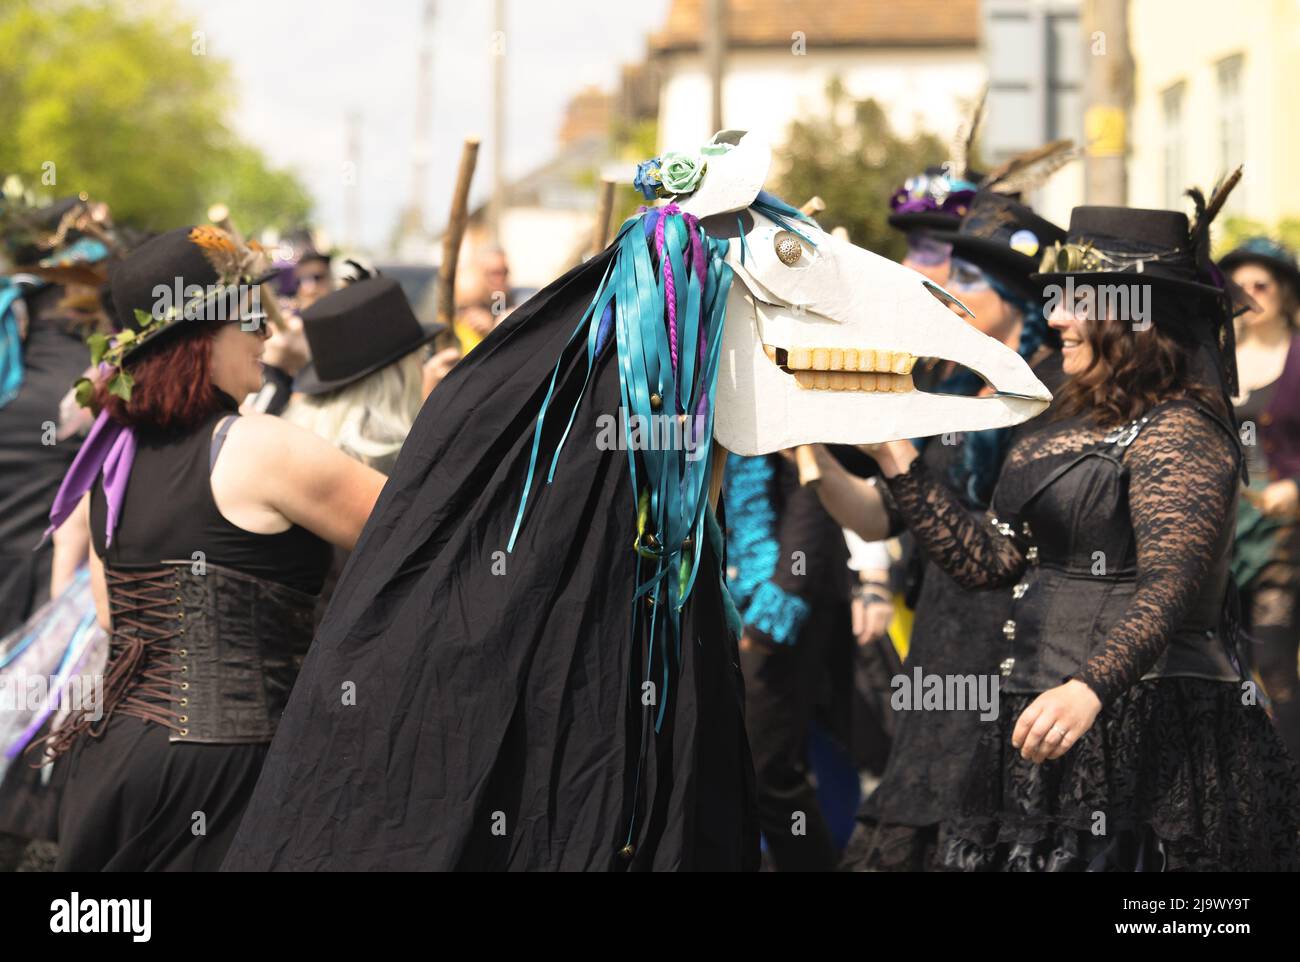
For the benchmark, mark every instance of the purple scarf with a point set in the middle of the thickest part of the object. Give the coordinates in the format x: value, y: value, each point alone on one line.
x: 109, y: 448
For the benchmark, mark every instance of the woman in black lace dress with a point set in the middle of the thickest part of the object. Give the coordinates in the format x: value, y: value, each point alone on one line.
x: 956, y: 631
x: 1127, y: 738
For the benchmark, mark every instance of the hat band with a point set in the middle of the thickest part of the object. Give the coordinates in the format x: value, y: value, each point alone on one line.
x: 1075, y: 257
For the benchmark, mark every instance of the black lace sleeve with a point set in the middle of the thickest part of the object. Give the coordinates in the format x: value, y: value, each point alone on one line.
x: 975, y: 552
x: 1182, y: 480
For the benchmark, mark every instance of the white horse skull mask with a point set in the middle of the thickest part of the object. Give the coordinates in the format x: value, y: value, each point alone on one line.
x: 821, y: 336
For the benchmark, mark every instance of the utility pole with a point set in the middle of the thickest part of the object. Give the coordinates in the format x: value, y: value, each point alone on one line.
x: 352, y: 204
x: 1108, y: 94
x: 498, y: 119
x: 715, y: 54
x: 411, y: 231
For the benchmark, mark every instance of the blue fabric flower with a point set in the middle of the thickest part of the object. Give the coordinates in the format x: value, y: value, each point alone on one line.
x: 648, y: 179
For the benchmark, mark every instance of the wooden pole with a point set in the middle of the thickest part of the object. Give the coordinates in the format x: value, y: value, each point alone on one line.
x: 715, y: 56
x: 498, y: 198
x: 804, y: 458
x: 604, y: 211
x: 455, y: 231
x: 813, y: 206
x: 1108, y: 91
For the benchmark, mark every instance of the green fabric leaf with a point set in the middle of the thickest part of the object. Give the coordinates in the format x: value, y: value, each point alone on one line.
x: 98, y: 344
x: 121, y: 385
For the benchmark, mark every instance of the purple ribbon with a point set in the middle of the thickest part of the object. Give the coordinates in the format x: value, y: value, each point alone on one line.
x: 110, y: 449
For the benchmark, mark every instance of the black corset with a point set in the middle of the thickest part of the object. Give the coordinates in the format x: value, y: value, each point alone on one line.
x: 1077, y: 534
x: 211, y: 656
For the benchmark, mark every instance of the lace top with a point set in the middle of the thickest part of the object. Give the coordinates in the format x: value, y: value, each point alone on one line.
x: 1182, y: 468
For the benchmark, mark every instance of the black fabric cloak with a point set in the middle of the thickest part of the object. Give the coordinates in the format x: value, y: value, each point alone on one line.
x: 464, y: 708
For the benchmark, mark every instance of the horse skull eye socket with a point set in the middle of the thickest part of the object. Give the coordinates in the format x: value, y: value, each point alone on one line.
x: 788, y: 248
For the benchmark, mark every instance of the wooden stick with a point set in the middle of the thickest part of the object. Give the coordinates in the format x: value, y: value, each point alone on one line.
x: 813, y: 206
x: 455, y: 231
x: 809, y: 472
x: 604, y: 211
x: 804, y: 458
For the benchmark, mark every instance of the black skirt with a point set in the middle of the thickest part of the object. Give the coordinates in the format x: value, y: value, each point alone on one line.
x: 956, y: 632
x: 1176, y: 774
x: 29, y: 802
x: 135, y: 802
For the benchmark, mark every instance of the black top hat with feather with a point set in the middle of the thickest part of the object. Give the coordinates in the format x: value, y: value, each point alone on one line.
x: 1161, y: 249
x: 938, y: 198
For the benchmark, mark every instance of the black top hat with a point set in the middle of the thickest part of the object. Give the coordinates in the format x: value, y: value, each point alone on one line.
x: 1267, y: 252
x: 145, y: 285
x: 1112, y: 245
x: 1005, y: 238
x: 358, y: 330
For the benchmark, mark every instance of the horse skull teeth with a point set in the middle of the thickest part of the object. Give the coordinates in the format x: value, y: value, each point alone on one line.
x: 853, y: 381
x: 845, y: 359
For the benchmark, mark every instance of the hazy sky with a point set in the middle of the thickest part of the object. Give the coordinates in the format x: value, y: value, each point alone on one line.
x: 302, y: 65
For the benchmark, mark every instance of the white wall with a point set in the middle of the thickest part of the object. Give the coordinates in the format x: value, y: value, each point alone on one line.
x: 766, y: 90
x: 1182, y: 40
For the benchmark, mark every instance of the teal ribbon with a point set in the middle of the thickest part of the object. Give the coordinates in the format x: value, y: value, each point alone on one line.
x: 668, y: 489
x: 11, y: 344
x: 676, y: 485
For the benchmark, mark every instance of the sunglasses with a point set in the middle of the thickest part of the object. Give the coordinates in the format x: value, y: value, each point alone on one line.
x: 253, y: 323
x: 927, y: 252
x: 965, y: 276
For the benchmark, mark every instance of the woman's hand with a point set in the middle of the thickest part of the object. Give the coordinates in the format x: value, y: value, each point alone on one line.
x: 1281, y: 499
x: 871, y: 617
x: 287, y: 348
x: 1055, y: 720
x: 438, y: 367
x: 894, y: 457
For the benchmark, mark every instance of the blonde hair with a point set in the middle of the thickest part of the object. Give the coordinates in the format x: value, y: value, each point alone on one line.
x: 370, y: 418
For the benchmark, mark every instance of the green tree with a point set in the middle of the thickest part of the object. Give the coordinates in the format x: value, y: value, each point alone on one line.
x: 123, y: 102
x: 257, y: 195
x: 1238, y: 229
x: 854, y: 161
x: 634, y: 141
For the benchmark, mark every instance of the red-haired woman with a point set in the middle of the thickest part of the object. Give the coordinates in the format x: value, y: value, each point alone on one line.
x: 1127, y: 738
x: 211, y: 537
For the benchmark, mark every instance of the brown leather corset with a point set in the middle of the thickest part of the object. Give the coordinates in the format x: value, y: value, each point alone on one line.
x: 208, y: 652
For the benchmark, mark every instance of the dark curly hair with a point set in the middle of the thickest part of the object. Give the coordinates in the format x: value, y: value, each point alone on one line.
x: 1134, y: 370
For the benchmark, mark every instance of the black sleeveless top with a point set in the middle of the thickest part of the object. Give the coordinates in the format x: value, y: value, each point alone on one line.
x: 169, y: 513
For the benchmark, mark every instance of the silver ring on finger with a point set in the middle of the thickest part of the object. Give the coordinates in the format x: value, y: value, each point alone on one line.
x: 1064, y: 734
